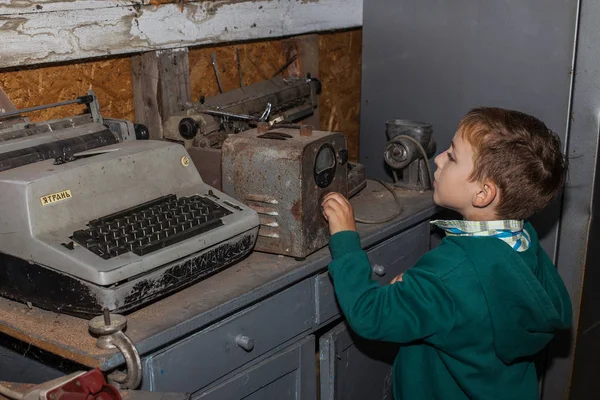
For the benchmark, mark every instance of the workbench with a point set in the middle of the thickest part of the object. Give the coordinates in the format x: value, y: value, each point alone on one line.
x: 266, y: 327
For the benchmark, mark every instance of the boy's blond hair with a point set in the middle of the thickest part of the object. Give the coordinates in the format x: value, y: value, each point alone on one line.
x: 519, y: 154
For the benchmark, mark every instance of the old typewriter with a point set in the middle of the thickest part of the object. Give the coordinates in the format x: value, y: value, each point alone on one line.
x: 93, y: 218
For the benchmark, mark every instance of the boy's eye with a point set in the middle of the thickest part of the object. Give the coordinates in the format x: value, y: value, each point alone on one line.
x: 450, y: 156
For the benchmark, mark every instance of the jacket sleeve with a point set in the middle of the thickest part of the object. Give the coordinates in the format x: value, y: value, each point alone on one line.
x: 416, y: 308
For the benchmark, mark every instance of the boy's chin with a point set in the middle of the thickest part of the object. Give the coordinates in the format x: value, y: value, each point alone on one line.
x: 436, y: 199
x: 440, y: 203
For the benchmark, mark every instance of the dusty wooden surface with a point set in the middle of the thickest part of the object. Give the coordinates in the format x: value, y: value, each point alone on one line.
x: 36, y: 32
x: 68, y: 336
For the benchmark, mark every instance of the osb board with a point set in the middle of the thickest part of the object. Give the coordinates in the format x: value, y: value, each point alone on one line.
x: 258, y: 61
x: 339, y: 71
x: 110, y: 79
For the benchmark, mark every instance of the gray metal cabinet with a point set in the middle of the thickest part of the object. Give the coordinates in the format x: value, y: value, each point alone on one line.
x: 352, y: 368
x: 209, y: 355
x: 287, y: 375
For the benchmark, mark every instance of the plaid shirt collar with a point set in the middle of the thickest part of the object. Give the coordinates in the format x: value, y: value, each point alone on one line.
x: 509, y: 231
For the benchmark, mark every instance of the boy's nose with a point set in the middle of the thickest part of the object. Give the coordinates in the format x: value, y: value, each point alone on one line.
x: 438, y: 160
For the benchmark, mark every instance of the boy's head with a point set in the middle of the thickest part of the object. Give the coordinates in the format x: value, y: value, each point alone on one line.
x: 502, y: 164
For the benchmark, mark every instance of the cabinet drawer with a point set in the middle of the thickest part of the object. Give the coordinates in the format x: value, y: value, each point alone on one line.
x: 290, y: 374
x: 388, y: 259
x: 208, y: 355
x: 399, y: 253
x: 353, y: 368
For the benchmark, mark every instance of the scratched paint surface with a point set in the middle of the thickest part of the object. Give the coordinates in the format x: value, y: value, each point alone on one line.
x: 69, y: 30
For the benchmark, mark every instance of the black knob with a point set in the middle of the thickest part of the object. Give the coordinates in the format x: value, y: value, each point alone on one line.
x: 188, y: 128
x: 318, y: 85
x: 343, y: 156
x: 141, y: 132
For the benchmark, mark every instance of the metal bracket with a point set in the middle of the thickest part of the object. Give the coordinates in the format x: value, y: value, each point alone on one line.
x: 109, y: 329
x: 94, y: 107
x: 90, y: 100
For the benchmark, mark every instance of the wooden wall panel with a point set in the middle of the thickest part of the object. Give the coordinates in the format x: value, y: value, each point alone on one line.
x: 339, y: 70
x: 46, y: 31
x: 110, y: 79
x: 258, y: 60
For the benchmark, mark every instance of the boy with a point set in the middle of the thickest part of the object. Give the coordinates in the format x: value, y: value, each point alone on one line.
x: 472, y: 313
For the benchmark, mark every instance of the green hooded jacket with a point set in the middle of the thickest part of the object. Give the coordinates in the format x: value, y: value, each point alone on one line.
x: 470, y: 315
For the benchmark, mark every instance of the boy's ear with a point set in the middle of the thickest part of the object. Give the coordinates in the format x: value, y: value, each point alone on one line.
x: 486, y: 194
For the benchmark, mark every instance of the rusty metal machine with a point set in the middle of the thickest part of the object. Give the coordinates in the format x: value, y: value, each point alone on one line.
x: 282, y: 172
x: 408, y: 151
x: 241, y: 139
x: 205, y: 125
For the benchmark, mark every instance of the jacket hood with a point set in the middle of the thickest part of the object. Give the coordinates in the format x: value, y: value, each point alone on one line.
x: 526, y: 298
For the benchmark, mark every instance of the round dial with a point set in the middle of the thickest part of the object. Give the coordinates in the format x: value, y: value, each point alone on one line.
x: 325, y: 163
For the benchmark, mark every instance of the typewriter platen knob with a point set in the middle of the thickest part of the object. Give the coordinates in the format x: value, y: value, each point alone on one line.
x: 141, y: 132
x: 188, y: 128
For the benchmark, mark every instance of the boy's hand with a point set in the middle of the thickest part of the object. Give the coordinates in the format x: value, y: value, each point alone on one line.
x: 338, y: 212
x: 397, y: 279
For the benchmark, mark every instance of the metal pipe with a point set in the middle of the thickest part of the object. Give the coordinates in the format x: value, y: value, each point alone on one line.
x: 80, y: 100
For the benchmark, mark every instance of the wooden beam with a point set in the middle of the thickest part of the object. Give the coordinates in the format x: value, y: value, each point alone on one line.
x: 35, y: 32
x: 161, y: 85
x: 306, y: 48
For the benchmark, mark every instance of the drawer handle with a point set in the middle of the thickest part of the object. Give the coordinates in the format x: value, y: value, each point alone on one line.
x: 245, y: 342
x: 379, y: 270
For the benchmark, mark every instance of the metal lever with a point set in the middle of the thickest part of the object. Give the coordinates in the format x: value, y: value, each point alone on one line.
x: 110, y: 328
x: 245, y: 342
x: 266, y: 113
x: 216, y: 69
x: 378, y: 270
x: 239, y: 65
x: 225, y: 114
x: 80, y: 100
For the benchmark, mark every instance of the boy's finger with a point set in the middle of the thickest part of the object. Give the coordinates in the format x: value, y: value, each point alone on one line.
x: 327, y: 197
x: 338, y: 198
x: 332, y: 202
x: 331, y: 208
x: 334, y: 195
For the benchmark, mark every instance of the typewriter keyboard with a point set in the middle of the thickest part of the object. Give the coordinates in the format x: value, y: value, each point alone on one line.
x: 150, y: 226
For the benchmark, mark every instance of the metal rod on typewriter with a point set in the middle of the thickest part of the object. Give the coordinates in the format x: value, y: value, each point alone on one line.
x: 80, y: 100
x: 225, y: 114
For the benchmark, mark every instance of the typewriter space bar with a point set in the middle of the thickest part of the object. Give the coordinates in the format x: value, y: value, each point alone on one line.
x: 178, y: 237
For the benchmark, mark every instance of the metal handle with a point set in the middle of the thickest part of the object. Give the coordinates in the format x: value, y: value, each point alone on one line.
x: 245, y: 342
x: 133, y: 378
x: 379, y: 270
